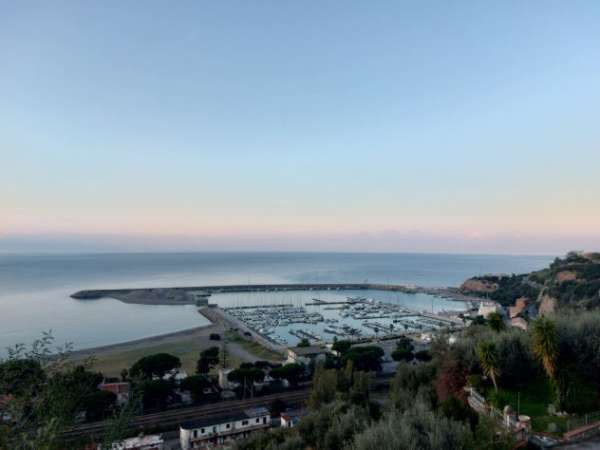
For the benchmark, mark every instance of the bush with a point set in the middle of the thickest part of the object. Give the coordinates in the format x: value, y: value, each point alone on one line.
x: 423, y: 355
x: 215, y: 337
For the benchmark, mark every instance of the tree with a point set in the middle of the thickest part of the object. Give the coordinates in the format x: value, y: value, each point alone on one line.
x: 423, y: 355
x: 276, y: 407
x: 360, y: 390
x: 156, y: 365
x: 496, y: 322
x: 246, y: 377
x: 451, y: 378
x: 456, y: 409
x: 324, y: 386
x: 208, y: 358
x: 488, y: 357
x: 545, y: 344
x: 124, y: 374
x: 20, y: 376
x: 195, y: 384
x: 546, y: 348
x: 304, y: 343
x: 68, y: 391
x: 99, y: 405
x: 290, y: 372
x: 155, y: 393
x: 404, y: 350
x: 367, y: 358
x: 341, y: 346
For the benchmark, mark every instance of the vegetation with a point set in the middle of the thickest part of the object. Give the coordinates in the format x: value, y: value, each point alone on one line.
x: 208, y: 358
x: 404, y: 350
x: 367, y: 357
x: 489, y: 361
x: 47, y: 393
x: 574, y: 281
x: 156, y: 365
x: 293, y: 373
x: 304, y: 343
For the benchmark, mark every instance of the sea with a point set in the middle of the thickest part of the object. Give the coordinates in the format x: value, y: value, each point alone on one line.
x: 35, y: 289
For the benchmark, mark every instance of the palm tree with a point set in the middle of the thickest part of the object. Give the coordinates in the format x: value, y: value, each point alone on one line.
x: 545, y: 348
x: 545, y: 345
x: 489, y: 361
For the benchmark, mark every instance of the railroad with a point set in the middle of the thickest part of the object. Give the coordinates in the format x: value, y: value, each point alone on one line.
x: 173, y: 418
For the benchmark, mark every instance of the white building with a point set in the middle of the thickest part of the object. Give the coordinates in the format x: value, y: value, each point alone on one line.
x: 149, y: 442
x: 217, y: 430
x: 487, y: 308
x: 305, y: 355
x: 224, y: 382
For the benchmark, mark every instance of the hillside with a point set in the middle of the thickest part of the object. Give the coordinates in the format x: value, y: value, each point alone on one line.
x: 572, y: 281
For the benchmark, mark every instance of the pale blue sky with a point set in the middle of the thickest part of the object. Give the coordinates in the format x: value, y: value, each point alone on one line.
x: 288, y: 124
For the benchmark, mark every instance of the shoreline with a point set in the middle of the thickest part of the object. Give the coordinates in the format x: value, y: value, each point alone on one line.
x: 125, y: 346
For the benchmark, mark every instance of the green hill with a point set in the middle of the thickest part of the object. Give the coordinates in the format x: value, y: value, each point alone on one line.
x: 572, y: 281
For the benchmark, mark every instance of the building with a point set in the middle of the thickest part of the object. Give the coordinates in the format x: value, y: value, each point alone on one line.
x: 306, y: 355
x: 224, y: 382
x: 149, y: 442
x: 220, y: 429
x: 487, y: 308
x: 290, y: 419
x: 120, y: 389
x: 519, y: 308
x: 519, y: 322
x: 5, y: 415
x: 176, y: 375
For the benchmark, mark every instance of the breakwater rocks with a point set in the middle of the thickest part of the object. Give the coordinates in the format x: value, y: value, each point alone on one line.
x: 197, y: 294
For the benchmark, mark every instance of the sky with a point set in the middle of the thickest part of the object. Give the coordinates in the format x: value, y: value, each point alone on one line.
x: 285, y: 125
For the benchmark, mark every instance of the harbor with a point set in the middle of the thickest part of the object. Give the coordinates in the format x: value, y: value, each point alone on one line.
x: 321, y: 319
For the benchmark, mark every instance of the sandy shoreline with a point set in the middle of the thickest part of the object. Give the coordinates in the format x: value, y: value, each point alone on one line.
x: 200, y: 332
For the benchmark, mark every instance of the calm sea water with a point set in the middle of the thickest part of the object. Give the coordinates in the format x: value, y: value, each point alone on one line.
x: 35, y: 289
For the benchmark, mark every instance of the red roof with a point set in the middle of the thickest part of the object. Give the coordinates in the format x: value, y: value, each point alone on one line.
x: 115, y: 388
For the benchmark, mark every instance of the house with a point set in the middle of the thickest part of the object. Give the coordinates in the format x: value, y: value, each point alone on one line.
x: 176, y: 375
x: 519, y: 308
x: 224, y: 382
x: 290, y: 419
x: 220, y: 429
x: 486, y: 308
x: 148, y: 442
x: 120, y: 389
x: 5, y: 415
x: 519, y: 322
x: 306, y: 355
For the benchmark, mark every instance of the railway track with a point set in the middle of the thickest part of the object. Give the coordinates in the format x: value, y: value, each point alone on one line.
x: 175, y: 417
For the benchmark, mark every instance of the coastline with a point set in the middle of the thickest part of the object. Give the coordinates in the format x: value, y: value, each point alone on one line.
x: 185, y: 344
x: 163, y: 338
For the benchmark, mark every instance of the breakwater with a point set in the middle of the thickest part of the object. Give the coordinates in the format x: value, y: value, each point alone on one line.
x: 189, y: 294
x: 98, y: 293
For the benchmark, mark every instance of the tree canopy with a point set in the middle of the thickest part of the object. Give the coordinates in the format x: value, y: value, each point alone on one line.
x: 156, y: 365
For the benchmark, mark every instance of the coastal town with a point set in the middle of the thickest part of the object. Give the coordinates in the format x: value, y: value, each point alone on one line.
x: 248, y: 379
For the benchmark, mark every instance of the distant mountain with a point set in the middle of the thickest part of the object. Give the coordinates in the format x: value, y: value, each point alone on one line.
x: 572, y: 281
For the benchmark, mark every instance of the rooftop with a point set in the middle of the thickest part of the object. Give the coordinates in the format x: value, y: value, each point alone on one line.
x: 213, y: 420
x: 225, y: 418
x: 310, y: 350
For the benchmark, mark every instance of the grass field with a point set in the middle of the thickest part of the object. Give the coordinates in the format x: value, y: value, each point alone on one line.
x: 186, y: 347
x: 111, y: 363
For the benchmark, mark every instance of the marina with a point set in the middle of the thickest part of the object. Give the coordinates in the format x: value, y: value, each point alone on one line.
x: 339, y: 315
